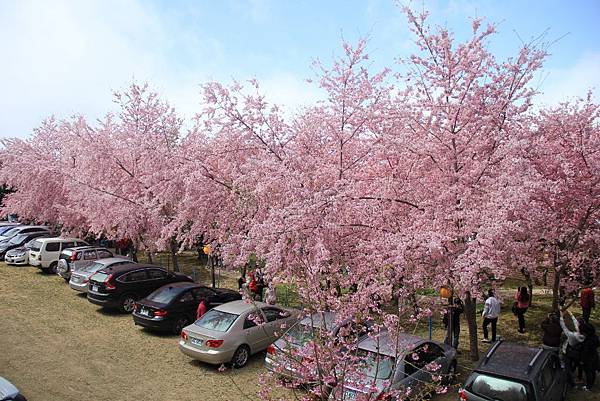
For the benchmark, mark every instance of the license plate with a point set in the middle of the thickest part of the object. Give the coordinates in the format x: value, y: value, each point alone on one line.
x: 349, y: 395
x: 196, y: 341
x: 95, y: 288
x: 144, y: 312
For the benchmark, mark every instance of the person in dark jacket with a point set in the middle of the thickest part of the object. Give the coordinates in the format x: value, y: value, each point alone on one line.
x: 456, y: 309
x: 589, y: 354
x: 587, y: 302
x: 552, y: 332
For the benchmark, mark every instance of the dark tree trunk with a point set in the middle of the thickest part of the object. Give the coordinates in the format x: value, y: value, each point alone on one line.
x: 149, y: 257
x: 471, y: 317
x: 556, y: 291
x: 212, y: 271
x: 174, y: 256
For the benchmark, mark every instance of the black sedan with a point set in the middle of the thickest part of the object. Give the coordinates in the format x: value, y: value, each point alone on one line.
x: 20, y: 240
x: 173, y: 306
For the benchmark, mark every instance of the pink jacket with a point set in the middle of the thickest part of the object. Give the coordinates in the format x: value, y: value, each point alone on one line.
x: 520, y: 303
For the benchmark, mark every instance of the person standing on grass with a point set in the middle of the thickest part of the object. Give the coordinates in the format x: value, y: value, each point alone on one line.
x: 522, y: 299
x: 491, y: 311
x: 455, y: 310
x: 589, y: 354
x: 252, y: 285
x: 271, y: 294
x: 201, y: 308
x: 552, y: 332
x: 587, y: 302
x: 573, y: 348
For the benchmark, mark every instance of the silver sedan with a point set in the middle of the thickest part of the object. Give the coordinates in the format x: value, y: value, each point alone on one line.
x: 233, y: 331
x: 79, y: 278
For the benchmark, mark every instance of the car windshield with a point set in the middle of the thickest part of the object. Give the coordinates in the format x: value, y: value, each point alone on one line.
x: 216, y: 320
x: 11, y: 232
x: 495, y: 388
x: 18, y: 239
x: 375, y: 365
x: 93, y: 268
x: 165, y: 294
x: 36, y: 246
x: 300, y: 334
x: 5, y: 229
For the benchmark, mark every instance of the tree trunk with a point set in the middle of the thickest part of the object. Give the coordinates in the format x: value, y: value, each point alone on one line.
x: 471, y: 316
x: 212, y: 271
x: 149, y: 257
x: 529, y: 282
x: 556, y: 291
x: 174, y: 256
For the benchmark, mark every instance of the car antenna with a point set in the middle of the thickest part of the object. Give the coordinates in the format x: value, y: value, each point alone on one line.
x: 491, y: 351
x: 537, y: 355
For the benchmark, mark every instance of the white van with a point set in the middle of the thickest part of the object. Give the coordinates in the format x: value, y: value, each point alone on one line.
x: 44, y: 252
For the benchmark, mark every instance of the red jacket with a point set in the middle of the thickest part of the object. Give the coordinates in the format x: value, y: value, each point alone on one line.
x: 587, y: 298
x: 201, y: 310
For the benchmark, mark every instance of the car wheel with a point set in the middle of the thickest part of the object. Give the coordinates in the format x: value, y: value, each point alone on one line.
x: 180, y: 323
x: 451, y: 375
x: 52, y: 267
x: 240, y: 357
x: 127, y: 303
x: 67, y: 279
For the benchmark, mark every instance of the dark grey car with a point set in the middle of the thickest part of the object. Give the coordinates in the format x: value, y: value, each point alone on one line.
x: 389, y: 366
x: 515, y: 372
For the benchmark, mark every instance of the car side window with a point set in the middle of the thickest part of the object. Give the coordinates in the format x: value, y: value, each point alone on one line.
x: 415, y: 360
x: 202, y: 293
x: 102, y: 253
x: 157, y: 274
x: 431, y: 352
x: 66, y: 245
x: 546, y: 374
x: 132, y: 277
x: 89, y: 255
x: 252, y: 320
x: 52, y: 246
x: 186, y: 297
x: 273, y: 314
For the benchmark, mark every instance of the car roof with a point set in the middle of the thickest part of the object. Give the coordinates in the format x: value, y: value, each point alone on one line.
x: 384, y: 344
x: 241, y: 306
x: 84, y: 247
x: 62, y: 239
x: 512, y: 360
x: 129, y: 267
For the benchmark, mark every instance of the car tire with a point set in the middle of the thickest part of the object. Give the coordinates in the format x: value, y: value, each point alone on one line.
x: 52, y: 267
x: 179, y: 324
x: 127, y: 302
x: 240, y: 356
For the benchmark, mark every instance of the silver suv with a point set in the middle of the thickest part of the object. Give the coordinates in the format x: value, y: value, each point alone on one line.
x: 72, y: 259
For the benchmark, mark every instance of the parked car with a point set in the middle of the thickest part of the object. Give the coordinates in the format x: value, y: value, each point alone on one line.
x: 80, y: 278
x: 8, y: 392
x: 7, y: 226
x: 22, y: 230
x: 390, y: 365
x: 233, y: 331
x: 44, y: 252
x: 75, y: 258
x: 515, y: 372
x: 121, y: 286
x: 20, y: 256
x: 18, y: 241
x: 173, y: 306
x: 281, y: 357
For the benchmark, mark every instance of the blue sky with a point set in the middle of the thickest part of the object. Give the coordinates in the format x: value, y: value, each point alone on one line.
x: 67, y: 56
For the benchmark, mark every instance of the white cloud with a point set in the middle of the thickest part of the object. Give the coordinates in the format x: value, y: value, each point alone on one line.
x: 573, y: 81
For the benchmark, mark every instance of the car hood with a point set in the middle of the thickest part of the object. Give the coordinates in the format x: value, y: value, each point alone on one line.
x: 7, y: 390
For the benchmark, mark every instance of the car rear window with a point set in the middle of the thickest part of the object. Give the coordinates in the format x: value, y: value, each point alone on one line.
x: 18, y: 239
x: 94, y: 267
x: 216, y: 320
x: 375, y: 365
x: 100, y: 277
x: 36, y: 246
x: 11, y: 232
x: 300, y: 334
x: 495, y: 388
x: 164, y: 295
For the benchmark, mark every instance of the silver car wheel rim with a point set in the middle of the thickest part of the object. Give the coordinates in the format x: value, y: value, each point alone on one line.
x: 242, y: 357
x: 128, y: 304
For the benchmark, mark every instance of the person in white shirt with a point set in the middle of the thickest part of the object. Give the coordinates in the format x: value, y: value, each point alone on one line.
x: 490, y: 314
